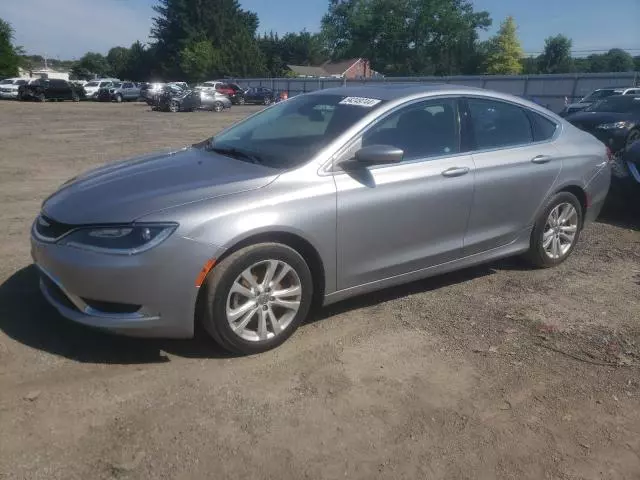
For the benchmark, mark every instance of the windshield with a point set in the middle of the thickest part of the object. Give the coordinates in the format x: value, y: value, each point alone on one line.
x: 292, y: 132
x: 598, y: 94
x: 618, y: 104
x: 92, y: 84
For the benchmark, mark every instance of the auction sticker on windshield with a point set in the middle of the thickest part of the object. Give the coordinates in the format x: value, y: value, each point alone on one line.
x: 360, y: 101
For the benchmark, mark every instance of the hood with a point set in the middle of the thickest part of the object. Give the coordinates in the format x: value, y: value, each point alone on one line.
x: 593, y: 119
x: 125, y: 191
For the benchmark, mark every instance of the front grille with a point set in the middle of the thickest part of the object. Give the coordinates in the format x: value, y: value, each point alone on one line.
x: 51, y: 230
x: 56, y: 292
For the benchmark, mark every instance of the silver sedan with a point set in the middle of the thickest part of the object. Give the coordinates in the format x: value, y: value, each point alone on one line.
x: 318, y: 198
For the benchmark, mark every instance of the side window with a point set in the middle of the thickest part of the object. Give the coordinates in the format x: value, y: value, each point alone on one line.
x: 127, y: 85
x: 543, y: 128
x: 498, y: 124
x: 421, y: 130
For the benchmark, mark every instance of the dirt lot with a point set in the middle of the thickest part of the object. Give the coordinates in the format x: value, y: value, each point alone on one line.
x: 493, y: 372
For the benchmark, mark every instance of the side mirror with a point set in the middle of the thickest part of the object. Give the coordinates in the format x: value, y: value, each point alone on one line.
x: 379, y: 155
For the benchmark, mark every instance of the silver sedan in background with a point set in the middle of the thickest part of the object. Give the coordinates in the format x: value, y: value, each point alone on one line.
x: 319, y: 198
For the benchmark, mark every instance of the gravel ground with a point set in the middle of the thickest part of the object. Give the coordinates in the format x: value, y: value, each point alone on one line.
x: 493, y: 372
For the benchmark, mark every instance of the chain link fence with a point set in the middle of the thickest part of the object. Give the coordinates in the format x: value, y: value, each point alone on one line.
x: 549, y: 90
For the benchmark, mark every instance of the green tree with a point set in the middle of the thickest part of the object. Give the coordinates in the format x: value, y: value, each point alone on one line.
x: 9, y: 54
x: 92, y: 63
x: 118, y: 58
x: 619, y: 61
x: 556, y: 57
x: 531, y: 65
x: 199, y: 60
x: 405, y: 37
x: 505, y: 53
x: 597, y: 63
x: 182, y: 23
x: 636, y: 62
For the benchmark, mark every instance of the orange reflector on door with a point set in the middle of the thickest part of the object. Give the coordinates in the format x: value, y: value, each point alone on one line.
x: 205, y: 271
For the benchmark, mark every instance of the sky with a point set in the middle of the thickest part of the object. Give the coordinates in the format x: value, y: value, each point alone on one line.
x: 42, y: 27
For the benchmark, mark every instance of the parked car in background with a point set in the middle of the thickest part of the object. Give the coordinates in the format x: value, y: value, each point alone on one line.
x: 597, y: 95
x: 628, y: 170
x: 119, y: 92
x: 218, y: 86
x: 261, y: 95
x: 176, y: 100
x: 44, y: 89
x: 91, y: 88
x: 615, y: 121
x: 9, y: 87
x: 322, y: 197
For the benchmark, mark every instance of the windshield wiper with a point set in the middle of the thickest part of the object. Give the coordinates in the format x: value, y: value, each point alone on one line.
x: 236, y: 153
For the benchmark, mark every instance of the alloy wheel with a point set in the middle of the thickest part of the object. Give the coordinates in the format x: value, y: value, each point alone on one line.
x: 263, y: 300
x: 174, y: 107
x: 560, y: 231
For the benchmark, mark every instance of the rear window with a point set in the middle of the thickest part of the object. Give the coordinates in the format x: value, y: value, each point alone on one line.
x: 543, y: 128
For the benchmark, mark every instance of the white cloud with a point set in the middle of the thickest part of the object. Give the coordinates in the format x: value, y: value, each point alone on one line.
x: 67, y: 29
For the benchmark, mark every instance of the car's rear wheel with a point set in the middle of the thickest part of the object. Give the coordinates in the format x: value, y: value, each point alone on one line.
x: 556, y: 231
x: 267, y: 101
x: 218, y: 107
x: 256, y: 298
x: 75, y: 97
x: 41, y: 97
x: 633, y: 137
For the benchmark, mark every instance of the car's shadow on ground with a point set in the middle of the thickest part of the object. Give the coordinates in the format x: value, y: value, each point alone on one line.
x: 622, y: 208
x: 26, y: 317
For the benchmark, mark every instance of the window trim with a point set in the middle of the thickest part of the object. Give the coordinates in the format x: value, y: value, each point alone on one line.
x: 472, y: 138
x: 331, y: 167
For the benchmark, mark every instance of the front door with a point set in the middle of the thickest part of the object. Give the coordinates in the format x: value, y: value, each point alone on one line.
x: 400, y: 218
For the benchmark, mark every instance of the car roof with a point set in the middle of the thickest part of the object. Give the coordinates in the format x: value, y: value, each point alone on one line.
x: 401, y: 90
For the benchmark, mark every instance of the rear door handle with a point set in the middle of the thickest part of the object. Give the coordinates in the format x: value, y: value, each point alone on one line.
x: 455, y: 171
x: 541, y: 159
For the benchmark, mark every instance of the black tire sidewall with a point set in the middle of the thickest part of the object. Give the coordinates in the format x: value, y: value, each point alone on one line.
x: 220, y: 281
x: 536, y: 254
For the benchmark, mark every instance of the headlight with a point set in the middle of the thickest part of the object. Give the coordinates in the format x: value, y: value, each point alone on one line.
x: 121, y: 239
x: 615, y: 125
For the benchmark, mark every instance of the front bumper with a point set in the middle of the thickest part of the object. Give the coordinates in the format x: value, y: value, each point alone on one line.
x: 157, y: 286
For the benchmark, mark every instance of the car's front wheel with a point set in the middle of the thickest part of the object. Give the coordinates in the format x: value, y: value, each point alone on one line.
x: 174, y: 107
x: 256, y: 298
x: 556, y: 231
x: 119, y: 98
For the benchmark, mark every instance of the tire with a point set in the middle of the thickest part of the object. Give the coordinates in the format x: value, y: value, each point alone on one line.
x: 218, y: 107
x: 119, y: 98
x: 266, y: 101
x: 546, y: 231
x: 241, y: 101
x: 174, y: 107
x: 41, y: 97
x: 217, y: 298
x: 75, y: 97
x: 634, y: 136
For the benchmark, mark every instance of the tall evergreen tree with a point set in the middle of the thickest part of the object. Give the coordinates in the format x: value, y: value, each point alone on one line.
x: 505, y: 53
x: 181, y: 26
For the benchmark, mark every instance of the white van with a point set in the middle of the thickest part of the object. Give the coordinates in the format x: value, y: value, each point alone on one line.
x: 92, y: 87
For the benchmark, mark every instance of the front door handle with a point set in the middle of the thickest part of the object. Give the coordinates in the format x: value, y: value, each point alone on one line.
x: 455, y: 171
x: 541, y: 159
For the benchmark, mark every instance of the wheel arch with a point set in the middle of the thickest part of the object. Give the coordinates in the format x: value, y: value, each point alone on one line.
x: 579, y: 193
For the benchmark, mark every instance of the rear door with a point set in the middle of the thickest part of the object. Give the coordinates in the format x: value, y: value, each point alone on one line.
x: 516, y: 166
x: 127, y: 90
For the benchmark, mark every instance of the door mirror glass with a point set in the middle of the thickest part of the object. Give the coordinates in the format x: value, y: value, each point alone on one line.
x: 379, y: 155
